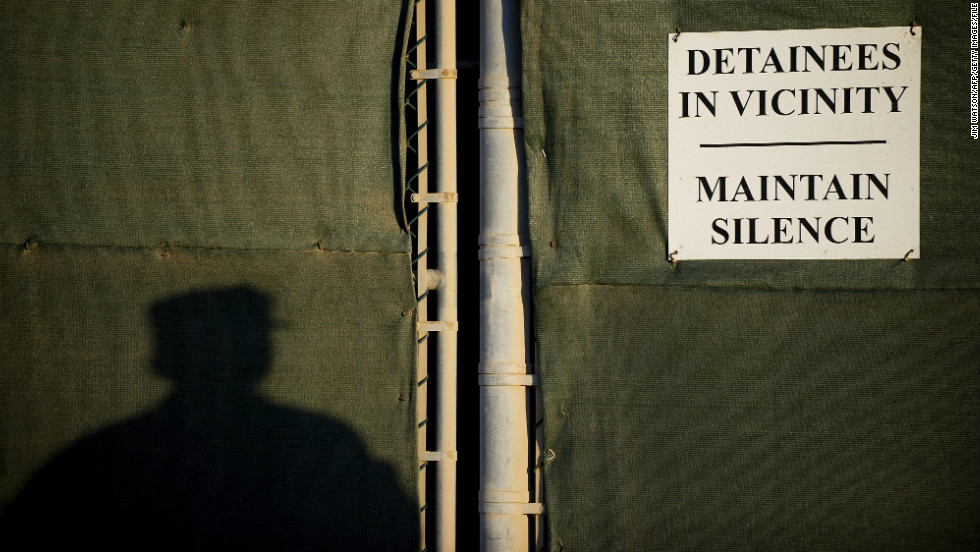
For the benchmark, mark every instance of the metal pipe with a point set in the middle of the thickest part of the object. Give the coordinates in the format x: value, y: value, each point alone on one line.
x: 505, y: 429
x: 446, y: 262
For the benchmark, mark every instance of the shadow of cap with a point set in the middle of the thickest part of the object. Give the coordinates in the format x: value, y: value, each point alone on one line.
x: 213, y: 337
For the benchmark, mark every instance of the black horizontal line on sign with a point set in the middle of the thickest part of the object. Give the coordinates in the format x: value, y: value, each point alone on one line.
x: 771, y: 144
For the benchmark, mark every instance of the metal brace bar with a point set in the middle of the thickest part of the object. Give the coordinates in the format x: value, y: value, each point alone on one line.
x: 432, y: 74
x: 512, y: 508
x: 438, y: 456
x: 445, y: 197
x: 438, y: 326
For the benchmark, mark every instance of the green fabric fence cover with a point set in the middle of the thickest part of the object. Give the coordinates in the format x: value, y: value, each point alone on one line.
x: 743, y: 405
x: 207, y: 334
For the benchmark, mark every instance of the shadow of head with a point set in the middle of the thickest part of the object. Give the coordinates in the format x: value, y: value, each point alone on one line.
x: 216, y: 339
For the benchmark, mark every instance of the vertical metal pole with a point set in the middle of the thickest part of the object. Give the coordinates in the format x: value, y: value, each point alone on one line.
x: 445, y: 179
x: 505, y: 373
x: 421, y: 268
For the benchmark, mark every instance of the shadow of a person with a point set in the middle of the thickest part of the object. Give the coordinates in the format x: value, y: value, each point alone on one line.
x: 216, y: 466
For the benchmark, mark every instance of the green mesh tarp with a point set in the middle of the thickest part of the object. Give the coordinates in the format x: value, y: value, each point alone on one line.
x: 743, y: 405
x: 207, y: 336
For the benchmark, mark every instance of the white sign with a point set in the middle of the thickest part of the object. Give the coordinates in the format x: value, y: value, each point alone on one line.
x: 797, y: 144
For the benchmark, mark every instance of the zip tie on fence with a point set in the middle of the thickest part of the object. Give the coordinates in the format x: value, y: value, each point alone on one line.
x: 423, y: 380
x: 422, y: 254
x: 908, y: 255
x: 678, y: 31
x: 912, y: 26
x: 423, y: 422
x: 421, y: 297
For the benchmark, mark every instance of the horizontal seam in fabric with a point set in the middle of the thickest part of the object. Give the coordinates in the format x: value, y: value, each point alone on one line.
x: 791, y: 289
x: 31, y: 245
